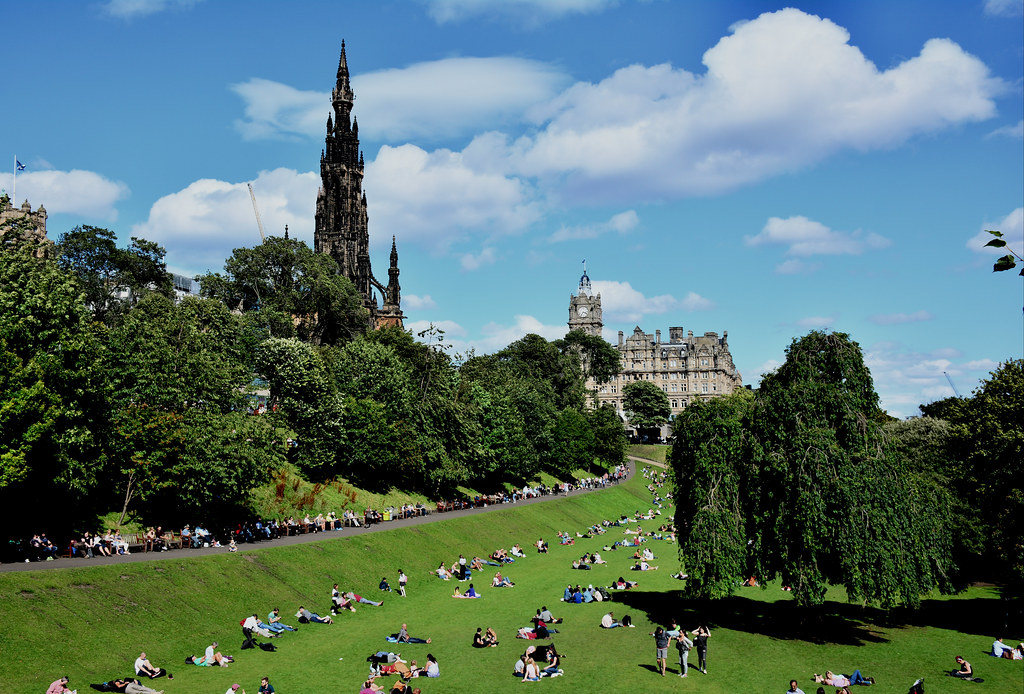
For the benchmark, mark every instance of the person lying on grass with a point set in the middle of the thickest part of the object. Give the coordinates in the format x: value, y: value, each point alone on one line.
x: 312, y: 617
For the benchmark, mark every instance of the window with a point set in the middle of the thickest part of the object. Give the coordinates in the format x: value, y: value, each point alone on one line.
x: 664, y: 377
x: 674, y: 388
x: 674, y: 403
x: 672, y: 363
x: 703, y: 362
x: 704, y: 388
x: 665, y: 388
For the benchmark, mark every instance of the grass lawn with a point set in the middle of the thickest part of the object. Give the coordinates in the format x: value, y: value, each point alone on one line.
x: 91, y: 622
x: 657, y: 453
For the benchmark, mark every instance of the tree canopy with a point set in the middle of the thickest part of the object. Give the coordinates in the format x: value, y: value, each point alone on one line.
x: 645, y: 404
x: 803, y: 484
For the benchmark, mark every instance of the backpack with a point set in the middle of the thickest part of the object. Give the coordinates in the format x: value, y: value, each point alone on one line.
x: 268, y: 647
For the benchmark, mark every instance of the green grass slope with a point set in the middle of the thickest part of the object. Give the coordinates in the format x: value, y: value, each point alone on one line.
x: 91, y: 622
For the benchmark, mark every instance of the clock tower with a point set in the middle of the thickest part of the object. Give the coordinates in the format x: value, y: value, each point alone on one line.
x: 585, y: 308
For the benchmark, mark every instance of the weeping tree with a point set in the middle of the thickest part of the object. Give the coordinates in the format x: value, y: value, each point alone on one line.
x: 803, y: 484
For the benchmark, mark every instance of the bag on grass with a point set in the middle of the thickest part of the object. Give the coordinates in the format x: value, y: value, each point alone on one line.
x: 268, y: 647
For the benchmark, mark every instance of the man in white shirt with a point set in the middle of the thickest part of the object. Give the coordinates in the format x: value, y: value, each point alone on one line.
x: 608, y: 621
x: 144, y: 668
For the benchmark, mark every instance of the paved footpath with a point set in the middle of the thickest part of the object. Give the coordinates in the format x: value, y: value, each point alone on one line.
x: 297, y: 539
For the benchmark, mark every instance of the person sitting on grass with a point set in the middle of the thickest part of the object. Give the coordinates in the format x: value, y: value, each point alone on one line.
x: 59, y: 686
x: 542, y: 547
x: 144, y: 668
x: 443, y: 572
x: 517, y: 551
x: 212, y: 658
x: 545, y: 615
x: 432, y: 669
x: 384, y: 585
x: 531, y: 673
x: 965, y: 672
x: 312, y: 617
x: 403, y: 636
x: 609, y: 621
x: 274, y: 622
x: 501, y: 581
x: 793, y: 689
x: 478, y: 638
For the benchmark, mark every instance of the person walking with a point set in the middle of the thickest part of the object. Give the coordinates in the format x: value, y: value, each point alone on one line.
x: 402, y: 580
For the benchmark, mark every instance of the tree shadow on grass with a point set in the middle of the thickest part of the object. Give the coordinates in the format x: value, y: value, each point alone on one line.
x: 831, y: 623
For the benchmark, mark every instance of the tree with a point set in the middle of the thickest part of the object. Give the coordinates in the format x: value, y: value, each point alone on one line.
x: 811, y: 488
x: 645, y: 404
x: 52, y: 398
x: 112, y: 278
x: 574, y: 442
x: 988, y: 441
x: 1008, y: 261
x: 294, y: 291
x: 599, y: 360
x: 609, y: 436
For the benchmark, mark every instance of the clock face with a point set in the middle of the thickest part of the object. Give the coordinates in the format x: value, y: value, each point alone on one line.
x: 581, y: 311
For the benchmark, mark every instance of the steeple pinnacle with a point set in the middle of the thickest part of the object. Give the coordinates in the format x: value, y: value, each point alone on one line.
x: 342, y: 96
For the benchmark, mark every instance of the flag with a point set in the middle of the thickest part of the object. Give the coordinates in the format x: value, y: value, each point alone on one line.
x: 18, y: 165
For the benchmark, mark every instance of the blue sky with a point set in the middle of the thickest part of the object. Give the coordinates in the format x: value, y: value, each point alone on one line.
x: 738, y: 166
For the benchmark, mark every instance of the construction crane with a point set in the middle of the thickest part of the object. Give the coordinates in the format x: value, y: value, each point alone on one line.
x: 951, y: 384
x: 257, y: 211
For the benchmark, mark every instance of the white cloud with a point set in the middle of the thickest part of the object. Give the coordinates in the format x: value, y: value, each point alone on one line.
x: 901, y: 318
x: 471, y: 262
x: 433, y: 198
x: 1004, y: 8
x: 418, y: 303
x: 816, y: 322
x: 1014, y: 131
x: 806, y: 237
x: 83, y: 193
x: 622, y: 303
x: 622, y: 223
x: 200, y: 225
x: 273, y: 109
x: 781, y: 93
x: 987, y: 365
x: 1012, y: 226
x: 905, y: 379
x: 140, y: 8
x: 496, y: 336
x: 428, y: 100
x: 529, y: 11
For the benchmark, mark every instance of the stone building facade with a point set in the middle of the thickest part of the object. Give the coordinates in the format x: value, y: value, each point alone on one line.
x: 686, y: 367
x: 31, y: 225
x: 342, y: 224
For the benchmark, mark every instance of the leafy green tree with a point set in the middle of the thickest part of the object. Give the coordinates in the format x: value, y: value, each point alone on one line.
x: 708, y: 464
x: 112, y: 278
x: 599, y: 360
x: 574, y: 442
x: 988, y: 439
x: 812, y: 487
x: 302, y: 390
x: 52, y: 398
x: 610, y: 442
x: 645, y: 404
x: 294, y: 291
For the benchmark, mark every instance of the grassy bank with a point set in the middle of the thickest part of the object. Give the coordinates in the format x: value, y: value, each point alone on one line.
x: 92, y: 622
x: 658, y: 454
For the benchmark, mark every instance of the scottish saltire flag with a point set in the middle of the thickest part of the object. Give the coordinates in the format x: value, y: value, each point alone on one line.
x: 18, y: 165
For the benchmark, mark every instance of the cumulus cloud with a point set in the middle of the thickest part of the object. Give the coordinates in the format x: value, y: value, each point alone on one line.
x: 495, y: 336
x: 275, y: 110
x: 795, y: 266
x: 127, y: 9
x: 201, y: 224
x: 622, y: 223
x: 781, y: 93
x: 425, y: 101
x: 470, y: 261
x: 1004, y: 8
x: 621, y: 302
x: 528, y: 11
x: 1013, y: 131
x: 83, y: 193
x: 901, y: 318
x: 435, y: 197
x: 806, y: 237
x: 418, y: 303
x: 1012, y: 226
